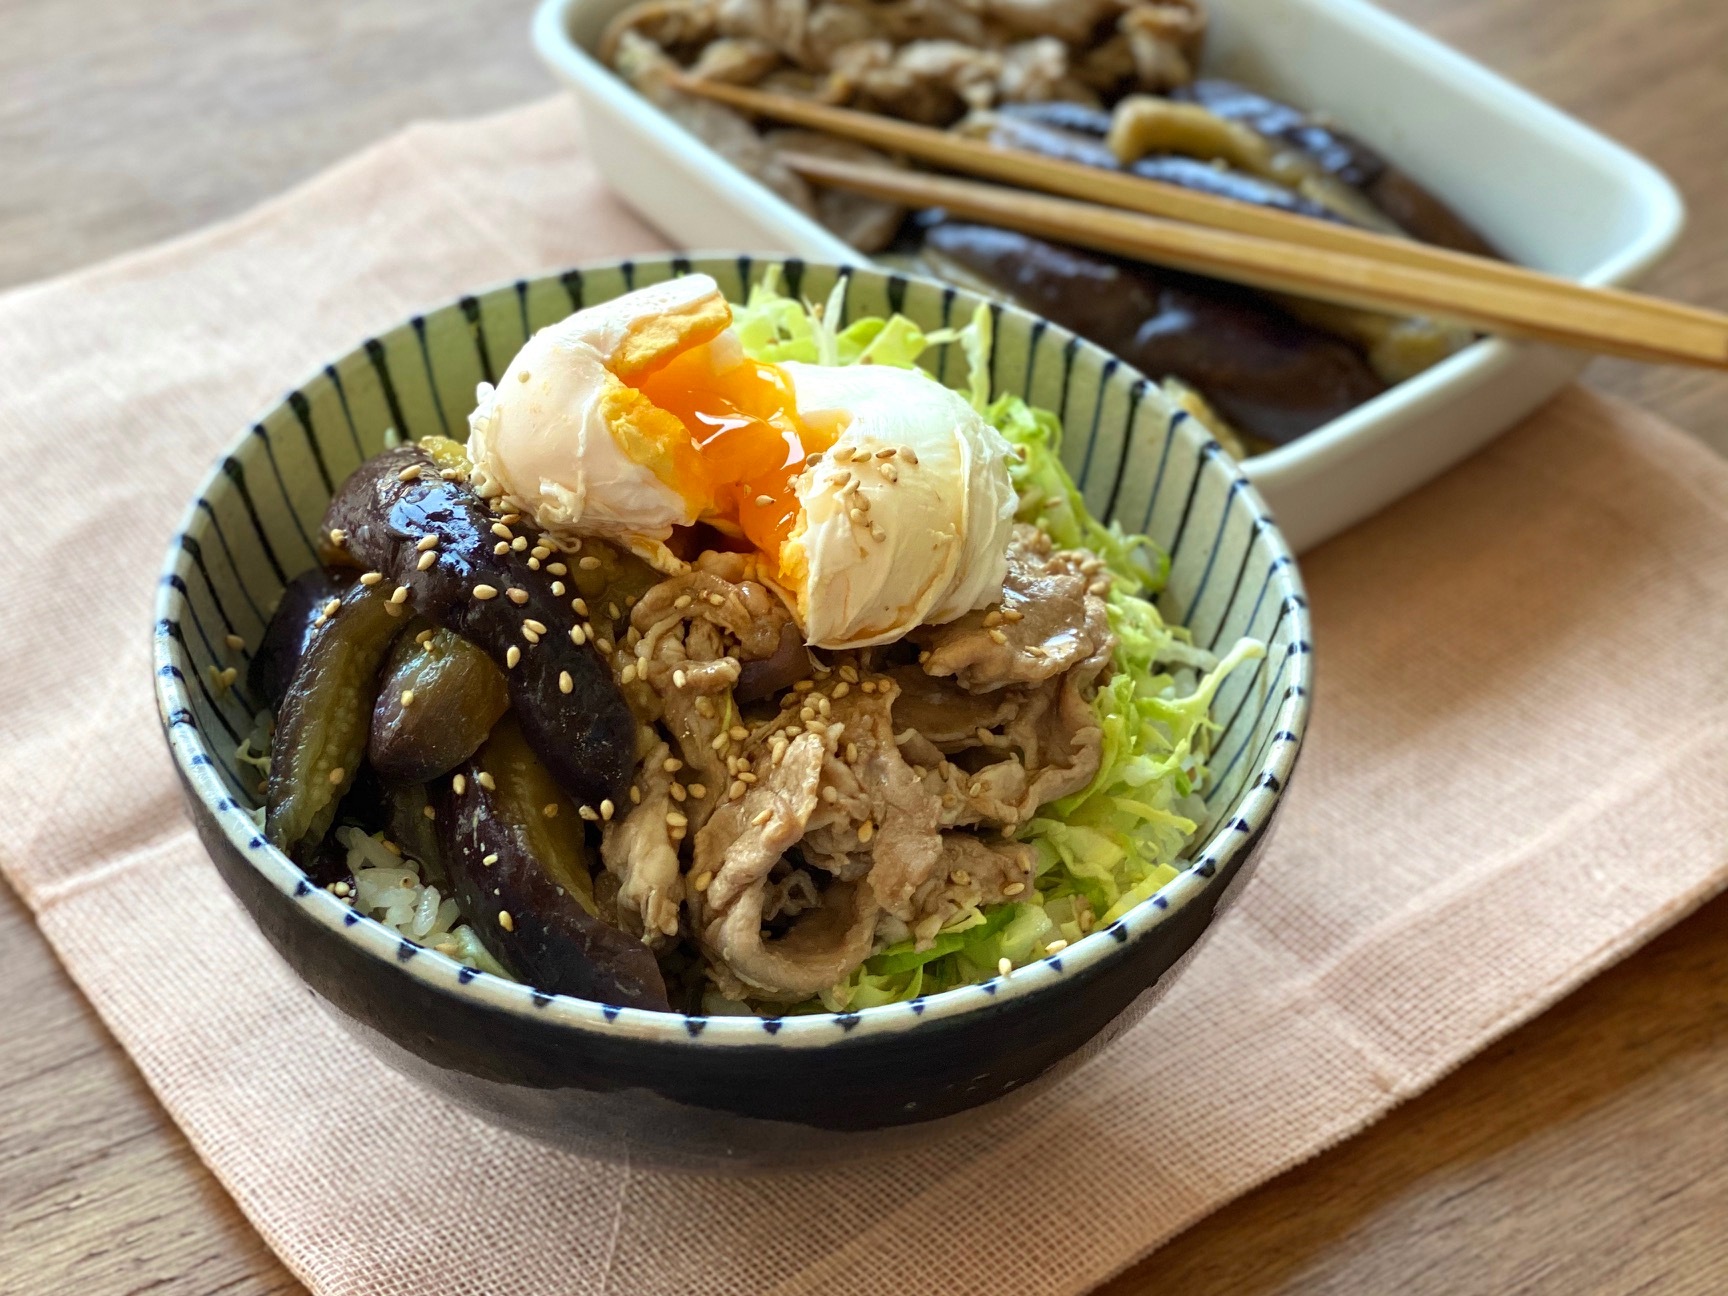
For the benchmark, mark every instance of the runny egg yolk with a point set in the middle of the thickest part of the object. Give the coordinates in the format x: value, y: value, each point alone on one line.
x: 746, y: 440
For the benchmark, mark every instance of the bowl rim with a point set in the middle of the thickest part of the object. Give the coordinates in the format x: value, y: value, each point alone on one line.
x: 1238, y: 826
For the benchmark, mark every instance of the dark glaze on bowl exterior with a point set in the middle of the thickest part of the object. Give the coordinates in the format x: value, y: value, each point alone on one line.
x: 692, y: 1091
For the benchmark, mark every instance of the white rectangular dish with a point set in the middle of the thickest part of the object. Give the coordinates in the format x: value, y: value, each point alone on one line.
x: 1546, y: 189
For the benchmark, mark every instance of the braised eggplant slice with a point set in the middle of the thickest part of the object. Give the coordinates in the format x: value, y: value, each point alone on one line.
x: 517, y: 855
x: 289, y: 631
x: 1345, y: 158
x: 1019, y: 132
x: 439, y: 699
x: 322, y: 724
x: 1268, y: 374
x: 394, y: 510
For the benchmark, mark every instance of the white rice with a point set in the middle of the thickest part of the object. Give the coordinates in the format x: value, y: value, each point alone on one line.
x: 390, y: 889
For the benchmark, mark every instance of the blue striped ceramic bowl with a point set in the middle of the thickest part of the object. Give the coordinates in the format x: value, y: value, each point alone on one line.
x: 695, y: 1089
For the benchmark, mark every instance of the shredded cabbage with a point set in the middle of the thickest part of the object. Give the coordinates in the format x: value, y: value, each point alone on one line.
x: 1117, y: 841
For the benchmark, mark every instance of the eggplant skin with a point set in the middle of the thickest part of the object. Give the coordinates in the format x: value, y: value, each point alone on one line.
x: 321, y: 727
x: 456, y: 694
x: 533, y: 905
x: 289, y: 631
x: 1268, y: 374
x: 586, y: 736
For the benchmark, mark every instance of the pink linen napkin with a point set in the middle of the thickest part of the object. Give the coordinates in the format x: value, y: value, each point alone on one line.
x: 1513, y: 779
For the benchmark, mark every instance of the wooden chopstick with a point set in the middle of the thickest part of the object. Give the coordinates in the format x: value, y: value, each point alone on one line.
x: 1563, y: 314
x: 1613, y: 324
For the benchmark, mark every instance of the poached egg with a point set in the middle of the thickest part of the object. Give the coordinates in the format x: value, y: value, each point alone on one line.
x: 877, y: 497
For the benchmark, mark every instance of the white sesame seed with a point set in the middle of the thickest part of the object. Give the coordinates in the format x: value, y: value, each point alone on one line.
x: 1004, y: 966
x: 628, y: 674
x: 501, y: 548
x: 679, y: 679
x: 682, y: 601
x: 502, y: 532
x: 590, y: 563
x: 234, y: 641
x: 337, y: 775
x: 1056, y: 947
x: 332, y: 607
x: 558, y: 569
x: 426, y: 560
x: 635, y: 795
x: 841, y: 690
x: 699, y: 791
x: 1013, y: 888
x: 486, y: 781
x: 517, y: 595
x: 761, y: 817
x: 484, y: 592
x: 996, y: 636
x: 578, y: 635
x: 830, y: 794
x: 703, y: 879
x: 506, y: 921
x: 519, y: 544
x: 607, y: 809
x: 737, y: 789
x: 409, y: 473
x: 399, y: 595
x: 407, y: 697
x: 427, y: 541
x: 888, y: 472
x: 738, y: 733
x: 558, y: 589
x: 866, y: 831
x: 541, y: 551
x: 587, y: 812
x: 717, y: 600
x: 459, y: 783
x: 677, y: 819
x: 371, y: 578
x: 677, y: 791
x: 338, y: 537
x: 907, y: 453
x: 489, y: 860
x: 512, y: 656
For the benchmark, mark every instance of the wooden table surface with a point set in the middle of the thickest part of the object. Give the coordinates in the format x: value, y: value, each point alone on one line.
x: 1586, y: 1154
